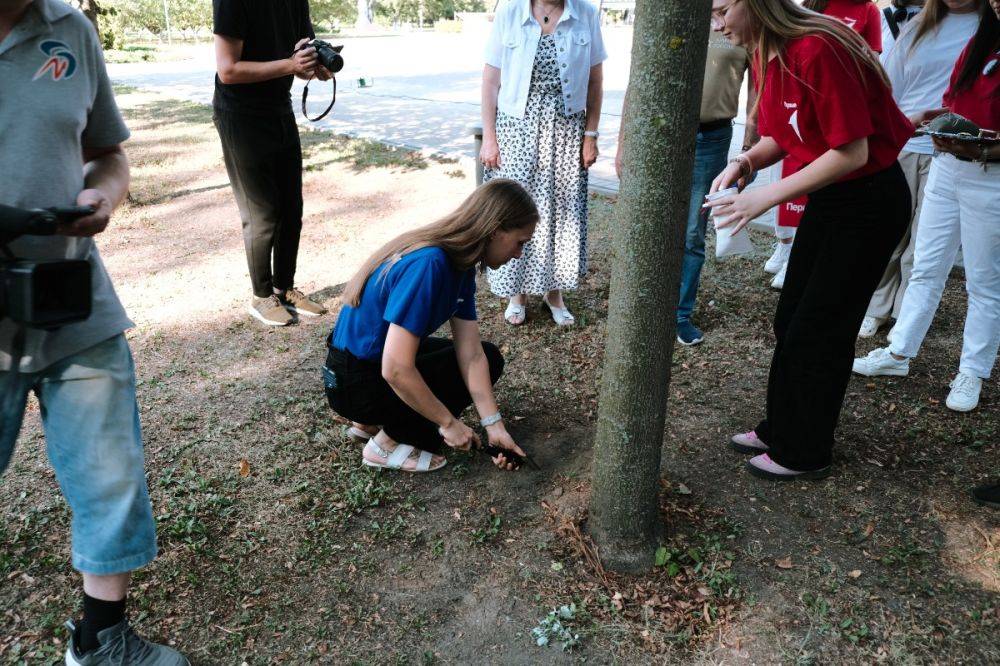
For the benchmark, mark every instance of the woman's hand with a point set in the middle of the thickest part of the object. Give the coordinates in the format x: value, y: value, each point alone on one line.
x: 589, y: 151
x: 730, y: 176
x: 459, y: 436
x: 499, y: 436
x: 966, y: 149
x: 489, y: 154
x: 738, y: 210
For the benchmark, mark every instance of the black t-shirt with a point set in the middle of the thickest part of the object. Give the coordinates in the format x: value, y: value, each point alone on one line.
x: 269, y: 30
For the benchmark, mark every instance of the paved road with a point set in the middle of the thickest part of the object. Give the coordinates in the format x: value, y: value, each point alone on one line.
x: 425, y: 93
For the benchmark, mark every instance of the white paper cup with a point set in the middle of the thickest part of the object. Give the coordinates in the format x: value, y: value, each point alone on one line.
x: 728, y: 244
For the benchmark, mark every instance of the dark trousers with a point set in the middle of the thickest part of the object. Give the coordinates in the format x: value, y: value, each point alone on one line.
x: 264, y: 160
x: 362, y: 395
x: 847, y: 234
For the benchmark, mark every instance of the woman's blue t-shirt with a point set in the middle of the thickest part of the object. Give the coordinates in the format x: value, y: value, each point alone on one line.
x: 420, y: 292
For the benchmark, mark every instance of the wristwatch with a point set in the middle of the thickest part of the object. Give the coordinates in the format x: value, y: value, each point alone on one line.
x: 490, y: 420
x: 592, y: 133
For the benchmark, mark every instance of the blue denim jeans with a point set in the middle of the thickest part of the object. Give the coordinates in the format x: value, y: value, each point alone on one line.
x: 709, y: 160
x: 94, y: 443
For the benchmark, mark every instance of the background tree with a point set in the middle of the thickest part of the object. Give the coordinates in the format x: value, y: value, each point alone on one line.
x: 661, y: 118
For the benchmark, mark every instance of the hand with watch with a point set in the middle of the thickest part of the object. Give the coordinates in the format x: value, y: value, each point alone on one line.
x: 502, y: 449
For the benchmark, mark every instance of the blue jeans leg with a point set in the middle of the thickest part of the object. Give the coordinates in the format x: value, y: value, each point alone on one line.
x: 711, y: 151
x: 91, y: 421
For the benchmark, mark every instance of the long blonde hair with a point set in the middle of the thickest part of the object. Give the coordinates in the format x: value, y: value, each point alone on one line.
x: 499, y: 205
x: 930, y: 18
x: 776, y: 22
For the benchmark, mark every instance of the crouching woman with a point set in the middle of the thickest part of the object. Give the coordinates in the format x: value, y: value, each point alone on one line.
x: 386, y: 373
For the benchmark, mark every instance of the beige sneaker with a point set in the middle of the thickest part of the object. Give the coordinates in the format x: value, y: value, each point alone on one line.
x: 295, y: 300
x: 270, y: 311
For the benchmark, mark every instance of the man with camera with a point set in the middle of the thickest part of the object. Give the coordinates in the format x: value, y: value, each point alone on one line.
x: 259, y: 47
x: 56, y: 108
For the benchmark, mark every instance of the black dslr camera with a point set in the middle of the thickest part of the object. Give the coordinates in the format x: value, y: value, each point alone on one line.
x: 328, y: 56
x: 41, y: 294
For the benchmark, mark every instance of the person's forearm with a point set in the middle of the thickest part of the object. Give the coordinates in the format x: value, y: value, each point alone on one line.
x: 993, y: 152
x: 476, y: 374
x: 765, y: 153
x: 248, y: 71
x: 108, y: 173
x: 488, y: 107
x: 410, y: 386
x: 830, y: 167
x: 595, y: 98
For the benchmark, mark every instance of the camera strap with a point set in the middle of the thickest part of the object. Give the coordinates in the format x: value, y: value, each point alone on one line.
x: 305, y: 94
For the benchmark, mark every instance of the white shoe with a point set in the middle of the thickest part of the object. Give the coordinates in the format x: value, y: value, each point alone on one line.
x: 880, y: 362
x: 964, y: 394
x: 561, y: 316
x: 778, y: 258
x: 870, y: 326
x: 779, y: 280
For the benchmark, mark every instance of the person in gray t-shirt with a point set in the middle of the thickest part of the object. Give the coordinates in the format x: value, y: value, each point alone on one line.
x: 60, y: 145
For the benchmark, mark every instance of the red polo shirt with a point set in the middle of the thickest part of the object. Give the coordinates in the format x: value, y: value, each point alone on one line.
x: 980, y: 102
x: 863, y: 17
x: 822, y: 102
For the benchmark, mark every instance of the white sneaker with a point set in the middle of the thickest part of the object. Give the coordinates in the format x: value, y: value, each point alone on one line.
x: 964, y: 394
x: 880, y: 362
x: 779, y: 280
x: 870, y: 326
x: 778, y: 258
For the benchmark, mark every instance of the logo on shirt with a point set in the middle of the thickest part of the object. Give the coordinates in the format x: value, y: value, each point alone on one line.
x: 61, y: 63
x: 850, y: 22
x: 793, y: 120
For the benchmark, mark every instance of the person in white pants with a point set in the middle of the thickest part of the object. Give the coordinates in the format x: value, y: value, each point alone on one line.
x: 919, y: 65
x: 961, y: 206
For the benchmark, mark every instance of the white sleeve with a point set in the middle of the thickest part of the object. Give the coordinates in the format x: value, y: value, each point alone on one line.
x: 598, y: 53
x: 895, y: 64
x: 494, y: 45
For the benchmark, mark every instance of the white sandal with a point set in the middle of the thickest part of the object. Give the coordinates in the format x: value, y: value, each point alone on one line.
x: 515, y: 310
x: 561, y: 316
x: 358, y: 435
x: 397, y: 457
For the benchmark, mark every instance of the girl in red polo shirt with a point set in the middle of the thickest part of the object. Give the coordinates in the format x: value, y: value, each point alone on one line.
x: 961, y: 207
x: 824, y: 100
x: 863, y: 17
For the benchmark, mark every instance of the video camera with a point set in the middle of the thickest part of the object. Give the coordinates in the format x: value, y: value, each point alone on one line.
x: 328, y: 56
x: 42, y: 294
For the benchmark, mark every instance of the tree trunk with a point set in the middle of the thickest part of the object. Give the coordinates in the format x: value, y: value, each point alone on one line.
x: 91, y: 10
x: 364, y: 21
x: 662, y: 106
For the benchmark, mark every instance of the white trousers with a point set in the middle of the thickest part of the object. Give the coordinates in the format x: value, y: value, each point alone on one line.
x: 961, y: 208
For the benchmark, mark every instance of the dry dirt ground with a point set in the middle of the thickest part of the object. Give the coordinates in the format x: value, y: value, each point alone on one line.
x: 277, y: 547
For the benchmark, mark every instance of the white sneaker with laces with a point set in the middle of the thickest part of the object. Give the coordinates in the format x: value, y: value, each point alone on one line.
x: 779, y: 280
x: 964, y: 394
x: 880, y: 362
x: 778, y: 258
x: 870, y: 326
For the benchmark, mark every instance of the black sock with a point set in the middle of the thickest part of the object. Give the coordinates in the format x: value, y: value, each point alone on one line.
x: 98, y: 615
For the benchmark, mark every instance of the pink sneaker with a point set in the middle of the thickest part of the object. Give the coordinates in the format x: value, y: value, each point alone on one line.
x: 762, y: 466
x: 747, y: 442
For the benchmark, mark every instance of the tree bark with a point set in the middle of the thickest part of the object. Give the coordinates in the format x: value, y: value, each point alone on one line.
x: 364, y: 21
x: 661, y: 118
x: 91, y: 10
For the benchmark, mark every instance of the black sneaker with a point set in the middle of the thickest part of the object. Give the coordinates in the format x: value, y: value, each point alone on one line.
x: 987, y: 495
x: 688, y: 334
x: 121, y: 645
